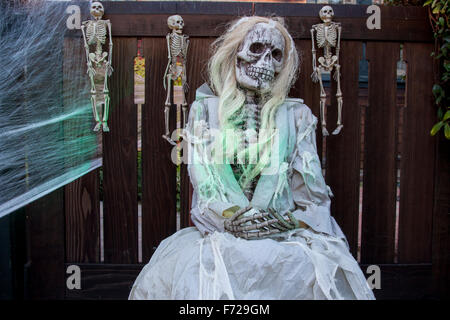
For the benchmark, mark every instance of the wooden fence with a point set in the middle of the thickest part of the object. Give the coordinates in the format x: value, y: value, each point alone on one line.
x: 408, y: 238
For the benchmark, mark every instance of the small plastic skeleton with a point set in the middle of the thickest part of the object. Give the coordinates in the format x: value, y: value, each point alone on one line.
x: 328, y: 36
x: 99, y: 62
x: 177, y: 46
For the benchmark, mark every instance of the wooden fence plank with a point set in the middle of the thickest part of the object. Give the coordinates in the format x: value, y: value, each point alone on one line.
x: 44, y: 271
x: 109, y: 281
x: 343, y: 150
x: 105, y: 281
x: 397, y: 23
x: 158, y: 170
x: 143, y: 26
x: 82, y: 215
x: 120, y: 160
x: 145, y: 19
x: 209, y: 19
x: 379, y: 195
x: 6, y: 258
x: 305, y: 89
x: 403, y: 281
x: 417, y: 158
x: 441, y: 220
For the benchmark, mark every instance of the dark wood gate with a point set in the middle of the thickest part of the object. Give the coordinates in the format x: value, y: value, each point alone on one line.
x: 389, y: 177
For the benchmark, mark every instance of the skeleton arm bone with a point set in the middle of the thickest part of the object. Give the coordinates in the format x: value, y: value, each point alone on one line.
x: 185, y: 47
x: 185, y: 50
x: 86, y: 47
x: 90, y: 70
x: 314, y: 75
x: 109, y: 66
x: 169, y: 56
x: 338, y: 48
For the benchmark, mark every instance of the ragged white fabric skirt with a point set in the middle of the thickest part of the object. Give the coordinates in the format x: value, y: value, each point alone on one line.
x: 300, y: 264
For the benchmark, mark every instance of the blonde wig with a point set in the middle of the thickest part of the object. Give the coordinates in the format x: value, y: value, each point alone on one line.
x: 222, y: 77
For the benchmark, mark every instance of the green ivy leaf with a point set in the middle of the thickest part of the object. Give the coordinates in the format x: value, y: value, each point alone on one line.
x: 447, y: 131
x: 446, y: 116
x: 436, y: 128
x: 437, y: 91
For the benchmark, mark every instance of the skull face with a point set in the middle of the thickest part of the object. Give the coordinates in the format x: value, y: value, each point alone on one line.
x: 326, y: 14
x: 97, y: 10
x: 175, y: 23
x: 260, y: 58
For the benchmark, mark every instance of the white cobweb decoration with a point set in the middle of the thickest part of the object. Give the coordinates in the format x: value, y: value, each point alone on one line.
x: 46, y: 138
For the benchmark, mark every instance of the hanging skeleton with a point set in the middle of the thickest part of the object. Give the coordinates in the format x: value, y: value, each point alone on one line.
x: 95, y: 32
x: 328, y: 36
x: 177, y: 46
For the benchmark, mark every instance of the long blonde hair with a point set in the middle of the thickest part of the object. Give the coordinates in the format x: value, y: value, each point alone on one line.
x: 222, y: 80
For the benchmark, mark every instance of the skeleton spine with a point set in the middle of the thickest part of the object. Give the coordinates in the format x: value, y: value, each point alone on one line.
x: 252, y: 121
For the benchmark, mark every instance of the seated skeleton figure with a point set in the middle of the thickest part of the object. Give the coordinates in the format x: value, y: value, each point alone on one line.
x: 260, y: 206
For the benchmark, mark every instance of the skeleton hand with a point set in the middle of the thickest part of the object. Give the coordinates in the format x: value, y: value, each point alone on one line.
x: 315, y: 75
x: 90, y: 71
x: 259, y: 225
x: 109, y: 69
x: 239, y: 226
x: 337, y: 73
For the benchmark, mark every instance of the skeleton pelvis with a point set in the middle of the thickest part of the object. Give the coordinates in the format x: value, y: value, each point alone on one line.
x: 96, y: 58
x: 175, y: 71
x: 327, y: 63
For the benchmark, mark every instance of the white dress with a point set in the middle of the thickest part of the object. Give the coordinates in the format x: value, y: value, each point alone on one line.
x: 204, y: 262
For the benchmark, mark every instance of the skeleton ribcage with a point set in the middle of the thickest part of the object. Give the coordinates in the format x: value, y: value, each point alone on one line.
x: 251, y: 120
x: 326, y: 36
x: 176, y: 44
x: 96, y: 31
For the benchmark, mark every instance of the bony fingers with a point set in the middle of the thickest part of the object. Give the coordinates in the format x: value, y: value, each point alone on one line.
x: 228, y: 226
x: 240, y: 212
x: 257, y: 226
x: 252, y: 218
x: 281, y: 220
x: 256, y: 235
x: 293, y: 220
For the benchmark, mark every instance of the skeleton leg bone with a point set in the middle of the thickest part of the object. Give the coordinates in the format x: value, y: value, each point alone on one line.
x: 184, y: 117
x: 169, y: 89
x: 337, y: 77
x: 91, y: 77
x: 106, y: 112
x: 95, y: 111
x: 323, y: 100
x: 168, y: 104
x: 106, y: 105
x: 94, y: 104
x: 166, y: 120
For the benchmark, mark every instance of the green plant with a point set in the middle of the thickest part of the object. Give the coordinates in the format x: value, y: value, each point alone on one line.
x: 439, y: 12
